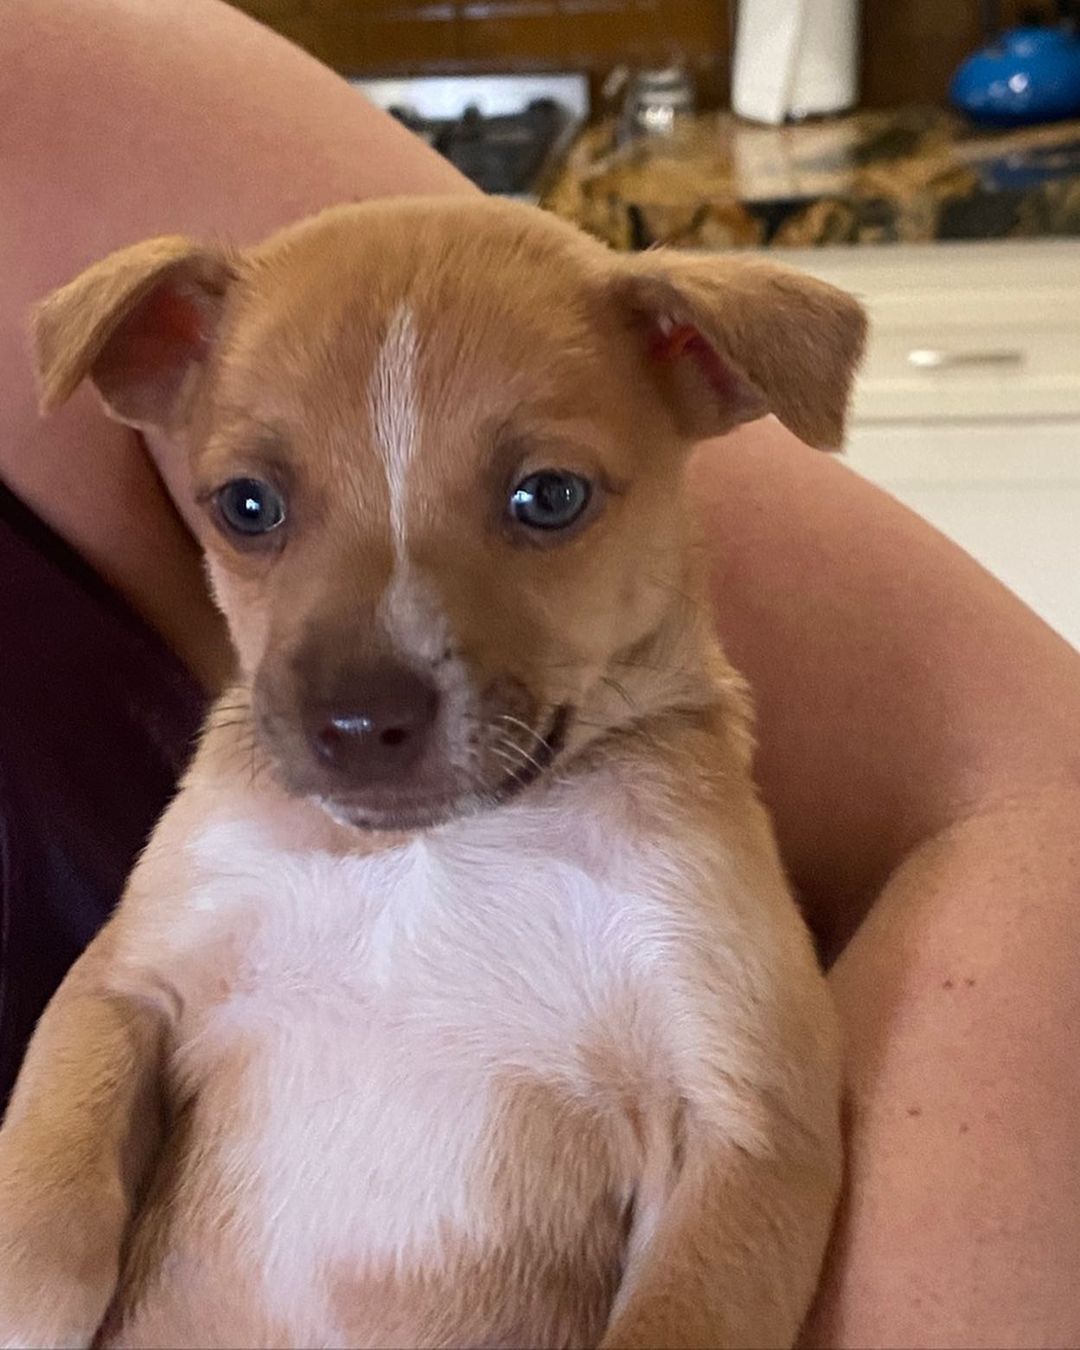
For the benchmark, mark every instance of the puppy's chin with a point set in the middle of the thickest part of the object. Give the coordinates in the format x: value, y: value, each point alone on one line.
x: 405, y: 814
x: 392, y: 810
x: 401, y: 817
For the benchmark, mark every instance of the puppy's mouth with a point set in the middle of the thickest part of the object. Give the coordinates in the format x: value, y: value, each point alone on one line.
x: 398, y: 808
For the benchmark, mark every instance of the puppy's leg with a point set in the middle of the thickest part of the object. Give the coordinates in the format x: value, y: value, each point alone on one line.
x: 729, y: 1260
x: 740, y: 1131
x: 83, y: 1125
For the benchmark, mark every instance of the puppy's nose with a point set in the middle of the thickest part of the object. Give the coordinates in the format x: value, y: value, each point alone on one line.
x: 381, y: 725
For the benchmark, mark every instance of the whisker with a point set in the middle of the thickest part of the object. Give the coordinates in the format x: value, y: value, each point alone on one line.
x: 512, y: 764
x: 617, y: 688
x: 230, y: 724
x: 517, y: 722
x: 628, y: 663
x: 519, y: 750
x: 503, y: 746
x: 234, y: 698
x: 670, y: 587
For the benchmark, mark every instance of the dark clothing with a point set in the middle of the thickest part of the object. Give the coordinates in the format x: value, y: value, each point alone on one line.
x: 97, y: 720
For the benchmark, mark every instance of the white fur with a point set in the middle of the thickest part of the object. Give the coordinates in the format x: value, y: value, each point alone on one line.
x: 412, y: 617
x: 409, y: 613
x: 396, y: 415
x: 385, y: 998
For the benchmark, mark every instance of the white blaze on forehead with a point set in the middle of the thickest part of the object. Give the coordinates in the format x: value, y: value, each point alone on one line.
x: 396, y: 414
x: 409, y: 611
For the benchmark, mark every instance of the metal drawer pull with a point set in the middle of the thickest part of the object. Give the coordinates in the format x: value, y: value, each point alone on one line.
x: 933, y: 358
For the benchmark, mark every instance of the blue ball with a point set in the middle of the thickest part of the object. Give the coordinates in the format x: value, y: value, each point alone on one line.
x: 1029, y: 75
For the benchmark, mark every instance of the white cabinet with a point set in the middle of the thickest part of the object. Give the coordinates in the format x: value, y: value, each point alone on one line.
x: 1009, y: 493
x: 968, y: 405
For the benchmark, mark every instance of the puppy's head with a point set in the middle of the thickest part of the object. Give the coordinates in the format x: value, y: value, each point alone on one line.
x: 435, y: 454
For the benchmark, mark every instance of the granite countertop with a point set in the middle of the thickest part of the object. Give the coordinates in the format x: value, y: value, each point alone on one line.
x: 910, y: 175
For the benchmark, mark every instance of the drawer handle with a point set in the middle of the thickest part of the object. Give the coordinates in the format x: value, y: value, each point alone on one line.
x: 934, y: 358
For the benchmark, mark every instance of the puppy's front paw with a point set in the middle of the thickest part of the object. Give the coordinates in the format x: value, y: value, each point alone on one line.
x: 49, y: 1319
x: 43, y: 1305
x: 61, y: 1231
x: 57, y: 1278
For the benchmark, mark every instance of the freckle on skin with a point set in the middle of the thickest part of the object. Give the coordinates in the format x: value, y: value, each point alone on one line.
x: 963, y: 1128
x: 970, y: 983
x: 914, y: 1110
x: 948, y: 984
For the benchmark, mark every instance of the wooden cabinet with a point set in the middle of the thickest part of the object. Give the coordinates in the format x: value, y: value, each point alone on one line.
x: 910, y: 47
x: 429, y: 36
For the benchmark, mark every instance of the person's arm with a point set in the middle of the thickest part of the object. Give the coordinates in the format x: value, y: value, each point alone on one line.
x: 920, y: 748
x: 960, y: 998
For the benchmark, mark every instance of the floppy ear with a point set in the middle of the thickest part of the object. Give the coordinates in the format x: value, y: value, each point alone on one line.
x: 138, y: 324
x: 735, y: 338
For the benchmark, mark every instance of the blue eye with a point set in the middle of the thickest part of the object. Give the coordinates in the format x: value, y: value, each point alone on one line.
x: 550, y: 500
x: 250, y: 506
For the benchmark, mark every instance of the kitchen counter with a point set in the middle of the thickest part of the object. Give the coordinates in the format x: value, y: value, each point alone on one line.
x: 909, y: 175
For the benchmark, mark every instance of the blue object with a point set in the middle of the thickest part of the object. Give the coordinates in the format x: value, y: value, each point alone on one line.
x: 1027, y: 75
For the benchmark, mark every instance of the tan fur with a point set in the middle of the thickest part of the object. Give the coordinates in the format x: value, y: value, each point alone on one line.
x: 71, y: 337
x: 791, y: 336
x: 560, y: 1070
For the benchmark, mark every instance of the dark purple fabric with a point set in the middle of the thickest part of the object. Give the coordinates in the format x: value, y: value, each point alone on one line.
x: 97, y: 720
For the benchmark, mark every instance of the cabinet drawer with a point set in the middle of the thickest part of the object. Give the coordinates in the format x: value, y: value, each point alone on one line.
x: 933, y: 371
x: 963, y: 331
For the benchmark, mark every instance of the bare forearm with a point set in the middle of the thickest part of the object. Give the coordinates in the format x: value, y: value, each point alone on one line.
x: 897, y: 683
x: 960, y: 997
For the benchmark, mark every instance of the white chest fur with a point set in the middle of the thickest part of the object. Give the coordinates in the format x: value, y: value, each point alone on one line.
x: 378, y: 1007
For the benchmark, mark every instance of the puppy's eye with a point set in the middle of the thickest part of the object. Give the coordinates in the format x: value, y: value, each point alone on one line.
x: 250, y: 506
x: 550, y: 500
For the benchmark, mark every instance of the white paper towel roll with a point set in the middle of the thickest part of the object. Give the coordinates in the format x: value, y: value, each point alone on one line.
x: 795, y: 58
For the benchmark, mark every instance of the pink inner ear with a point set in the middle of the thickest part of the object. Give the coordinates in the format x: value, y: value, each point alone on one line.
x: 155, y: 343
x: 173, y: 318
x: 144, y: 363
x: 667, y: 344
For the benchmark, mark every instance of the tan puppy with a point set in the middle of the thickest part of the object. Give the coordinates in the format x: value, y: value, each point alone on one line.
x: 459, y: 997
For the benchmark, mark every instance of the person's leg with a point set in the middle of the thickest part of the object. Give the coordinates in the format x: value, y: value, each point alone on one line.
x: 121, y: 119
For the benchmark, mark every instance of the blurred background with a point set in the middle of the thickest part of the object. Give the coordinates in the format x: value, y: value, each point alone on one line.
x: 908, y: 49
x: 924, y: 154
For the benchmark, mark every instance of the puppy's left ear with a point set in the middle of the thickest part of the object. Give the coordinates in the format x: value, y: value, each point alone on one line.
x: 732, y: 339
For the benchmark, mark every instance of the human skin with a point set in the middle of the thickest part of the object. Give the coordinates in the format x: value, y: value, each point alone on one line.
x: 917, y: 724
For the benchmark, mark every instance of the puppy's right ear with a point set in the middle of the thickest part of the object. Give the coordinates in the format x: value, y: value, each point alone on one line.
x: 138, y: 324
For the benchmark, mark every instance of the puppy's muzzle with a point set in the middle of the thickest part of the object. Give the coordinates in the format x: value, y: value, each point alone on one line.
x: 378, y: 731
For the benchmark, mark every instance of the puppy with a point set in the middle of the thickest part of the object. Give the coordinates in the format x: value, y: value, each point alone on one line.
x: 459, y: 998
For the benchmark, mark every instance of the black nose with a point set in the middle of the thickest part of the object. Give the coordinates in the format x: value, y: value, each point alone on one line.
x: 379, y: 727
